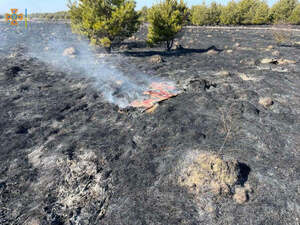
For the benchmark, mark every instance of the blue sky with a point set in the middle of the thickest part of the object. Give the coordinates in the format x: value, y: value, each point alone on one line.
x: 59, y: 5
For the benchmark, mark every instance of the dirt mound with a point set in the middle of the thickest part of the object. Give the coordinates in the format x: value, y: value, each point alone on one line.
x: 210, y: 172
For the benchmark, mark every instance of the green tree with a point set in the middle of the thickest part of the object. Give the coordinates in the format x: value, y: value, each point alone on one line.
x: 295, y: 16
x: 214, y: 13
x: 200, y: 15
x: 104, y: 21
x: 229, y: 14
x: 282, y: 10
x: 246, y: 10
x: 261, y: 15
x: 143, y: 14
x: 166, y: 20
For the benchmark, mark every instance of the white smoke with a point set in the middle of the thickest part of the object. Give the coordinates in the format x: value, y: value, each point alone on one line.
x: 47, y: 42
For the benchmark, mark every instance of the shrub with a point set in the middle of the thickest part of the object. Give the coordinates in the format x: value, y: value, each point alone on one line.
x: 199, y: 15
x: 214, y: 13
x: 229, y: 14
x: 203, y: 15
x: 282, y: 10
x: 261, y: 15
x: 246, y: 10
x: 295, y: 16
x: 166, y: 20
x: 104, y: 21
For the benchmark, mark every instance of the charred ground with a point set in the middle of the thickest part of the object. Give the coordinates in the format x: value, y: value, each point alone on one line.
x: 70, y: 157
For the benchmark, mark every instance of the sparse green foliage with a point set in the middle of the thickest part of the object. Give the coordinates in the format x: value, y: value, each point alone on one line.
x: 261, y: 15
x: 246, y: 10
x: 229, y: 14
x: 295, y: 16
x: 282, y: 10
x: 104, y: 21
x: 166, y: 20
x: 203, y: 15
x: 214, y: 13
x: 199, y: 15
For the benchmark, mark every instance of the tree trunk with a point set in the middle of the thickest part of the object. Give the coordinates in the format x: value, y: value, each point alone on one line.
x: 169, y: 45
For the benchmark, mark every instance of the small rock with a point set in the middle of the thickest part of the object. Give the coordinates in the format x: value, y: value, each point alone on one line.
x: 276, y: 53
x: 46, y: 49
x: 124, y: 47
x: 209, y: 36
x: 177, y: 46
x: 229, y: 51
x: 132, y: 38
x: 240, y: 195
x: 268, y: 60
x: 212, y: 52
x: 156, y: 59
x: 285, y: 61
x: 265, y: 101
x: 270, y: 47
x: 70, y: 52
x: 224, y: 73
x: 249, y: 62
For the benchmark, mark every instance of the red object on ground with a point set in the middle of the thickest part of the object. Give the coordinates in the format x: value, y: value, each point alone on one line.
x: 157, y: 94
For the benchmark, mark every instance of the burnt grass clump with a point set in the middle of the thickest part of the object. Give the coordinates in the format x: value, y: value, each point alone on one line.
x: 68, y: 156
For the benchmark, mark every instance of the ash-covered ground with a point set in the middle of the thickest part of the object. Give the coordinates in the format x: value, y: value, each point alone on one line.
x: 225, y: 150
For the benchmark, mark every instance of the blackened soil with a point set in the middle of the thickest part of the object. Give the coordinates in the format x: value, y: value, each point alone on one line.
x: 70, y: 157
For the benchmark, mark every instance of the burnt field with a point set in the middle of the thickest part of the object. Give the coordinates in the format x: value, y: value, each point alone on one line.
x: 224, y: 149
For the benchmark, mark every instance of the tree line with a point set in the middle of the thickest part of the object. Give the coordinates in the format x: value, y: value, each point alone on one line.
x: 62, y: 15
x: 105, y: 22
x: 246, y: 12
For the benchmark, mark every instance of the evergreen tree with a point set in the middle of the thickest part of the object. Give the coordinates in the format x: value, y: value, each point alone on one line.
x: 261, y: 15
x: 200, y: 15
x: 104, y: 21
x: 229, y: 14
x: 295, y: 16
x: 214, y: 13
x: 166, y: 20
x: 282, y: 10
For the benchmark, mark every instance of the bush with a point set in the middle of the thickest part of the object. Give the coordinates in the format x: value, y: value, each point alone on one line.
x: 229, y: 14
x: 166, y: 20
x: 203, y: 15
x: 295, y: 16
x: 104, y: 22
x: 246, y: 10
x: 214, y: 13
x: 282, y: 10
x: 261, y: 15
x: 199, y: 15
